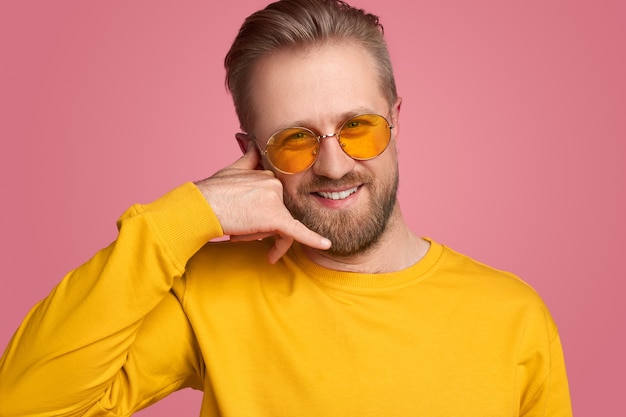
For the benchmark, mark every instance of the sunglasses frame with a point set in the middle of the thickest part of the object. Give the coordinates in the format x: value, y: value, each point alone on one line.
x: 319, y: 139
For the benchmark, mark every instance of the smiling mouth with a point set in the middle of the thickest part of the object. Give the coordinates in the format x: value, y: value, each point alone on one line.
x: 337, y: 195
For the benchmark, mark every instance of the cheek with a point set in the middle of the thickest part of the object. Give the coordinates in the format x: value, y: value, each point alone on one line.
x: 290, y: 182
x: 385, y: 164
x: 392, y: 149
x: 389, y: 158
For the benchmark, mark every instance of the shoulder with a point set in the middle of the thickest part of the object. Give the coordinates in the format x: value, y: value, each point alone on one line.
x: 467, y: 271
x: 484, y: 286
x: 237, y: 266
x: 493, y: 297
x: 219, y: 260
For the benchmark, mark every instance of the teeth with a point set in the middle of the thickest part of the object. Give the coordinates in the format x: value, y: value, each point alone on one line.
x: 337, y: 195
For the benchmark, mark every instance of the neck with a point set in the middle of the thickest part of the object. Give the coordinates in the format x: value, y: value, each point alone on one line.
x: 397, y: 249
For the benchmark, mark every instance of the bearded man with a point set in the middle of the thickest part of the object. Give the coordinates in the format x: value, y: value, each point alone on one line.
x: 323, y: 302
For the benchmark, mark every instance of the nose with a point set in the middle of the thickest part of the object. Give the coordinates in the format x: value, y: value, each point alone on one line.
x: 332, y: 162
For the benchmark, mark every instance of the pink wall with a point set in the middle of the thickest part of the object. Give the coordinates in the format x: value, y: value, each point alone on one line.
x: 512, y: 144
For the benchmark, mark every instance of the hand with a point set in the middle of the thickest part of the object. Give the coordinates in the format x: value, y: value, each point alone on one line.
x: 248, y: 202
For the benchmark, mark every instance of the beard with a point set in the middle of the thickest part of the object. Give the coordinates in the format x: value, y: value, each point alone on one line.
x: 351, y: 232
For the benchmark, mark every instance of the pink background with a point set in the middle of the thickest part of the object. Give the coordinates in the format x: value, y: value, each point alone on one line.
x: 512, y: 144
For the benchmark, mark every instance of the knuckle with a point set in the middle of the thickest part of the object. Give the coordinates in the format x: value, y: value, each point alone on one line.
x: 295, y: 226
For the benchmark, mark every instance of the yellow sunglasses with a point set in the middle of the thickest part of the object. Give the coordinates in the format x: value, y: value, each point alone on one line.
x: 295, y: 149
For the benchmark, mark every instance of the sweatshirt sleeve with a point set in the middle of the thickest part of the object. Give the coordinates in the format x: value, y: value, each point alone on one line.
x: 112, y: 337
x: 542, y: 367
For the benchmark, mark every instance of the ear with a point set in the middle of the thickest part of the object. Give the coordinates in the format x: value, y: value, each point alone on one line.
x: 395, y: 116
x: 244, y: 141
x: 395, y: 111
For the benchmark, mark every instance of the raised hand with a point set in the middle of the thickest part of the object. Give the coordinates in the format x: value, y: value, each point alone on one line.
x: 249, y: 205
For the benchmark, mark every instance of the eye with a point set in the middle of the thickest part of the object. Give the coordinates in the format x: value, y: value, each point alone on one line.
x: 360, y: 122
x: 292, y: 139
x: 355, y: 127
x: 353, y: 124
x: 296, y: 136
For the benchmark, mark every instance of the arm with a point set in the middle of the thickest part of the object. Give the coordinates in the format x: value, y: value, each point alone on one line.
x: 112, y: 335
x: 542, y: 367
x: 72, y: 350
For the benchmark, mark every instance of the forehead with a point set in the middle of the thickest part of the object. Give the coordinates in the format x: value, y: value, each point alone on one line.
x: 315, y: 87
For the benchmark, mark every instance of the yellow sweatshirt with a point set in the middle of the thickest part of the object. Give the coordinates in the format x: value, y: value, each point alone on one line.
x: 159, y: 310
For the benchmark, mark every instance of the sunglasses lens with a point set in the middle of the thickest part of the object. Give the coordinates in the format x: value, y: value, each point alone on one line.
x: 292, y: 150
x: 365, y: 136
x: 295, y: 149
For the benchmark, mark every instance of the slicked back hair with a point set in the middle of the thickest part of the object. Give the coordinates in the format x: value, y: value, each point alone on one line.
x: 302, y: 24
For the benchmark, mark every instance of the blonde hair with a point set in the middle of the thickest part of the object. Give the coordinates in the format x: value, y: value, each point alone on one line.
x: 302, y: 24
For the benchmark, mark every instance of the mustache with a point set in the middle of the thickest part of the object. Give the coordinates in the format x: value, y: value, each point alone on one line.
x: 348, y: 180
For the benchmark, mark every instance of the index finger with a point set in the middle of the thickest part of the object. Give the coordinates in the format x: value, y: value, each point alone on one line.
x: 299, y: 232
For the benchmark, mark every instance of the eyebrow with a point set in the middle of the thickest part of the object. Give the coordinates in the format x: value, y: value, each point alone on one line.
x: 341, y: 119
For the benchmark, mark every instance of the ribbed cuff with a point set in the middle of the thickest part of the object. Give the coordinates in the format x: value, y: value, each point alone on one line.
x: 184, y: 221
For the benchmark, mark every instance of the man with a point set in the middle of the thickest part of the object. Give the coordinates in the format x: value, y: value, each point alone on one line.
x: 324, y: 303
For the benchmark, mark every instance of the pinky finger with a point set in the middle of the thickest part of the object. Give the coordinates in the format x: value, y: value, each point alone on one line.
x: 281, y: 246
x: 250, y: 237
